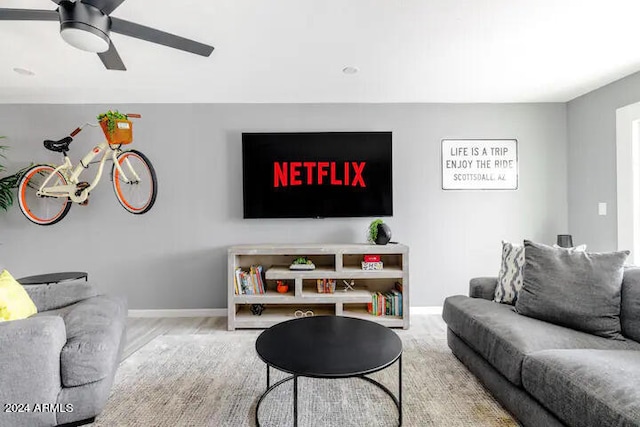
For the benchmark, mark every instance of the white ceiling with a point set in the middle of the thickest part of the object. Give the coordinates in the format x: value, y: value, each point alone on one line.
x: 295, y: 50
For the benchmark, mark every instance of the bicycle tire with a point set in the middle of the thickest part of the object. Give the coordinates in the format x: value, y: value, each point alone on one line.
x: 38, y: 209
x: 131, y: 195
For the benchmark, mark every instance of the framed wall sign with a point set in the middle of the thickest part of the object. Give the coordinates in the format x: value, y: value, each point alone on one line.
x: 479, y: 164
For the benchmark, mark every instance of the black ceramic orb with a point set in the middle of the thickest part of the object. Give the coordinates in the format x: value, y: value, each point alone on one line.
x: 384, y: 234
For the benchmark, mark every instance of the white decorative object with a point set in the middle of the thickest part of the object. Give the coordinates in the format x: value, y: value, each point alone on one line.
x: 303, y: 267
x: 349, y: 286
x: 479, y: 164
x: 579, y: 248
x: 300, y: 313
x: 372, y: 265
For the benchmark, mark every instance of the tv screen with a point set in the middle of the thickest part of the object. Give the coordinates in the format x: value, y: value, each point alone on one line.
x: 317, y: 174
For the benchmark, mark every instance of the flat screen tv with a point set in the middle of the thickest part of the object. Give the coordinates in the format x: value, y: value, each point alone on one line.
x: 317, y: 174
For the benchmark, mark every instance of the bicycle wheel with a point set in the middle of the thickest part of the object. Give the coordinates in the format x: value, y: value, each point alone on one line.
x: 138, y: 194
x: 42, y: 210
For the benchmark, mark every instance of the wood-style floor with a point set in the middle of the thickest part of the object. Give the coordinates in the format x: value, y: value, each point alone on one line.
x: 141, y: 330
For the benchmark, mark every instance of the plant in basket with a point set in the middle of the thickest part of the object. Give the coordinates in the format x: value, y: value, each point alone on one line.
x: 116, y: 127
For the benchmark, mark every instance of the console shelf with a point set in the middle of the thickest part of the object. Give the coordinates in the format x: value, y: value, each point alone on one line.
x: 333, y: 261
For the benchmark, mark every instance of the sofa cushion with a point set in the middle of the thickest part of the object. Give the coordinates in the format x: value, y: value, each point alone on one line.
x: 52, y: 297
x: 504, y: 337
x: 580, y: 290
x: 30, y: 368
x: 630, y: 303
x: 586, y: 387
x: 510, y: 275
x: 94, y: 328
x: 483, y: 287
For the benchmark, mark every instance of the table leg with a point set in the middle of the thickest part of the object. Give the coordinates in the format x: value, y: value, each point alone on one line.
x: 400, y: 390
x: 295, y: 401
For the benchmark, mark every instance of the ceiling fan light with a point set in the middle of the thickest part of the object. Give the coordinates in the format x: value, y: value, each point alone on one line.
x: 84, y: 37
x: 84, y: 26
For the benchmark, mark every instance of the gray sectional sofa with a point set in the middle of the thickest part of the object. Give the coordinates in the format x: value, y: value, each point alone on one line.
x: 57, y: 367
x: 545, y: 374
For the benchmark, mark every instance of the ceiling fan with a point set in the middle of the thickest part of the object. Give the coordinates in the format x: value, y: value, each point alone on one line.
x: 86, y: 25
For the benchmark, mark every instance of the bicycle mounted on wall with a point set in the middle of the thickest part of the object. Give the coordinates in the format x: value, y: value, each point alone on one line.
x: 45, y: 192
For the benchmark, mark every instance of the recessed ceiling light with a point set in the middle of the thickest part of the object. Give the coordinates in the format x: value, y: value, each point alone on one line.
x: 24, y: 71
x: 350, y: 70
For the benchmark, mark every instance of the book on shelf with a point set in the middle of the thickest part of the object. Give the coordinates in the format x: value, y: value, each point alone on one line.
x: 386, y: 304
x: 249, y: 282
x: 326, y: 286
x: 398, y: 286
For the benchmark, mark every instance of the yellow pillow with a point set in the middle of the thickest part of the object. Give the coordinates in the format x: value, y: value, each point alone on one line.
x: 14, y: 300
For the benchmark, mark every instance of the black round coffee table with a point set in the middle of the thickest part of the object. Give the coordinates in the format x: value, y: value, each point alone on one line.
x: 329, y: 347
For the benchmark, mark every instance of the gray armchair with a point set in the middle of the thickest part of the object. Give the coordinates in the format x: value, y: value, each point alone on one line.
x: 57, y: 367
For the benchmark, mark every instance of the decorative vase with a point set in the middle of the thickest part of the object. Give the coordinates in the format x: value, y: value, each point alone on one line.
x: 282, y: 287
x: 257, y: 309
x: 384, y: 234
x: 565, y: 241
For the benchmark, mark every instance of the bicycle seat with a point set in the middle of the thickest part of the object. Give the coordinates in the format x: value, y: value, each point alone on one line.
x: 61, y: 146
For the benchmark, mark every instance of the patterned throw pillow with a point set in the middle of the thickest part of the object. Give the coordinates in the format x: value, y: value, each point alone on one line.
x: 510, y: 278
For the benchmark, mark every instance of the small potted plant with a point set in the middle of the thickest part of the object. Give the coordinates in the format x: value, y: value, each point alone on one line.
x: 116, y: 127
x: 379, y: 232
x: 302, y: 263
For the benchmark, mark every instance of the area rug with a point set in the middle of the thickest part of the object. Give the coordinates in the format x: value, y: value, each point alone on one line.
x: 216, y: 380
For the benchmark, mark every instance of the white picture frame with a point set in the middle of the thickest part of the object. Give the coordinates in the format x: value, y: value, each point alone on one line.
x: 479, y: 164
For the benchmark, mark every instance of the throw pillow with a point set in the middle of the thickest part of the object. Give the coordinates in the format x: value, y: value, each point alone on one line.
x: 510, y: 276
x: 579, y: 248
x: 579, y: 290
x: 14, y: 300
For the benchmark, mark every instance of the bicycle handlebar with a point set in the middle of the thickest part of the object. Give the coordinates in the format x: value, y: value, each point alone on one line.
x: 134, y: 115
x: 79, y: 129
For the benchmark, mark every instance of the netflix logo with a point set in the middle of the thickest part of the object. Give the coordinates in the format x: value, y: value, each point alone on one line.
x: 318, y: 173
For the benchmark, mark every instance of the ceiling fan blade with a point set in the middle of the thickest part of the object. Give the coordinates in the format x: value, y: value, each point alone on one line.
x: 111, y: 59
x: 28, y: 15
x: 160, y: 37
x: 106, y: 6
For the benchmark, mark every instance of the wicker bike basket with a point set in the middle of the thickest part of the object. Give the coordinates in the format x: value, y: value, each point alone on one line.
x: 122, y: 133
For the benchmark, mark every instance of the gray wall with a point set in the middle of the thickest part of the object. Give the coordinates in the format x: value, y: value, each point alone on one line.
x: 175, y: 255
x: 592, y: 161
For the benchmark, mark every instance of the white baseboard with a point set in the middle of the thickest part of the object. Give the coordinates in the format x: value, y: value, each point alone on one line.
x: 427, y: 310
x: 222, y: 312
x: 191, y: 312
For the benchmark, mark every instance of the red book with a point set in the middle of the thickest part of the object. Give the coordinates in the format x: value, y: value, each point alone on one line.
x: 372, y: 258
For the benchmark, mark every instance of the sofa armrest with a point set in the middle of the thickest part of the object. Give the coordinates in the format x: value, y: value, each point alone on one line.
x: 57, y: 295
x: 30, y: 367
x: 483, y: 287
